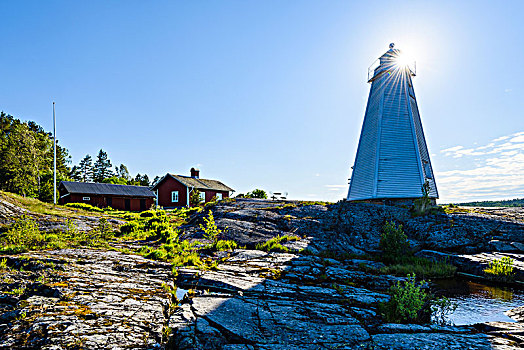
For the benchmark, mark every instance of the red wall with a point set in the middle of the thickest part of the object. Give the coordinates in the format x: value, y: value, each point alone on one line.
x: 169, y: 184
x: 164, y: 193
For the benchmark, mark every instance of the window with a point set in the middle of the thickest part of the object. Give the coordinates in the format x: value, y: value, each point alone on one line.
x: 174, y: 196
x: 203, y: 196
x: 86, y: 198
x: 219, y: 196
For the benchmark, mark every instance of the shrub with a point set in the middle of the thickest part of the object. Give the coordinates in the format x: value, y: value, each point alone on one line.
x: 147, y: 214
x: 256, y: 193
x: 501, y: 269
x: 85, y: 206
x: 24, y: 231
x: 393, y: 241
x: 407, y: 302
x: 440, y: 308
x: 189, y: 259
x: 211, y: 203
x: 167, y: 235
x: 104, y: 231
x: 194, y: 198
x: 154, y: 221
x: 129, y: 227
x: 157, y: 254
x: 211, y: 231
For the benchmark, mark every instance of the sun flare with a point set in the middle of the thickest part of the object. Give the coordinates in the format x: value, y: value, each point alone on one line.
x: 404, y: 60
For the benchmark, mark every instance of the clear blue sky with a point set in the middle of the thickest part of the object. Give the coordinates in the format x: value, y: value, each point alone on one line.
x: 268, y: 94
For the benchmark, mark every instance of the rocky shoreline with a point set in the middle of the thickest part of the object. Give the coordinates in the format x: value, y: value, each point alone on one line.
x: 302, y: 299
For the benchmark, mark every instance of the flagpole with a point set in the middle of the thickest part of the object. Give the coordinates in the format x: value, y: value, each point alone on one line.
x: 54, y: 155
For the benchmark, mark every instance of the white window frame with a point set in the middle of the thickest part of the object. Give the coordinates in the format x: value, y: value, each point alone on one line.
x: 86, y: 198
x: 174, y: 197
x: 219, y: 196
x: 203, y: 196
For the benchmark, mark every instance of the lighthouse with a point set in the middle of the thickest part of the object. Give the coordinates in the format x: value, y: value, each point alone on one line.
x: 392, y: 162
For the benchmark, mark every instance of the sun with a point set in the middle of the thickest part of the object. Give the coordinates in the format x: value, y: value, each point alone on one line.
x: 403, y: 60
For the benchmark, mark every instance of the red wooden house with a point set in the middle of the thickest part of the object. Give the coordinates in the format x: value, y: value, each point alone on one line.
x: 174, y: 191
x: 123, y: 197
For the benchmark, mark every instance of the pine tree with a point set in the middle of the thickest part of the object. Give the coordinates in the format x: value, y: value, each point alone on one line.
x: 102, y: 167
x: 75, y: 173
x: 145, y: 180
x: 122, y: 172
x: 86, y: 168
x: 155, y: 180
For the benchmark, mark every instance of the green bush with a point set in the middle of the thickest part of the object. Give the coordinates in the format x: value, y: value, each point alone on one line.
x: 393, y: 241
x: 103, y: 232
x: 85, y: 206
x: 147, y: 214
x: 24, y: 231
x: 129, y: 227
x: 256, y: 193
x: 155, y: 221
x: 194, y: 198
x: 501, y: 269
x: 211, y: 231
x: 407, y: 302
x: 24, y: 235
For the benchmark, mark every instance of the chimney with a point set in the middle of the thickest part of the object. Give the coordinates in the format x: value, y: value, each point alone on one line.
x: 195, y: 173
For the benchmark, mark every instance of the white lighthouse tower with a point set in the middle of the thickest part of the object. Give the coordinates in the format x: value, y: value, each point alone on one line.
x: 392, y: 161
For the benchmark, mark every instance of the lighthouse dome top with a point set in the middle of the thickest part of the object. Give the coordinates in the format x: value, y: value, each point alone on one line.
x: 392, y: 45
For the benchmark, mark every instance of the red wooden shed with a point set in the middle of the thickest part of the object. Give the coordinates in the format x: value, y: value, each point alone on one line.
x: 122, y: 197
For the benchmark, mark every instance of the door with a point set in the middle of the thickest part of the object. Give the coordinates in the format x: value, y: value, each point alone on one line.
x: 109, y: 201
x: 127, y: 204
x: 142, y: 204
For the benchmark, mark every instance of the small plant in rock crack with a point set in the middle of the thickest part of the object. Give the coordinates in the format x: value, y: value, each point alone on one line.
x: 407, y: 303
x: 440, y: 309
x: 501, y: 269
x: 3, y: 264
x: 166, y: 332
x: 211, y: 231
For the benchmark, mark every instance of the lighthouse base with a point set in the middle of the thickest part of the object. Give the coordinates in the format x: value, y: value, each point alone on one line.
x: 398, y: 202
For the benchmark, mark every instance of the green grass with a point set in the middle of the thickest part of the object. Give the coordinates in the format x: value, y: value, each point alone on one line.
x: 225, y: 245
x: 274, y: 244
x: 422, y: 268
x: 24, y: 235
x: 39, y: 207
x: 71, y: 210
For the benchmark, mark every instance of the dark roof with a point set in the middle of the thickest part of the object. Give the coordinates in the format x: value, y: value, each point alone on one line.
x: 107, y: 189
x: 200, y: 184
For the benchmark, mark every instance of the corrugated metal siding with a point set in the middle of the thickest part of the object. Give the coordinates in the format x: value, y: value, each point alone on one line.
x: 392, y: 157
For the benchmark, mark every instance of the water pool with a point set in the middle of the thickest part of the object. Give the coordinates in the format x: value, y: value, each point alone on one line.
x: 478, y: 302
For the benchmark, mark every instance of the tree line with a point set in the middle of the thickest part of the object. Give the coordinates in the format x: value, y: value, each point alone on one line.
x: 517, y: 202
x: 101, y: 171
x: 26, y: 162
